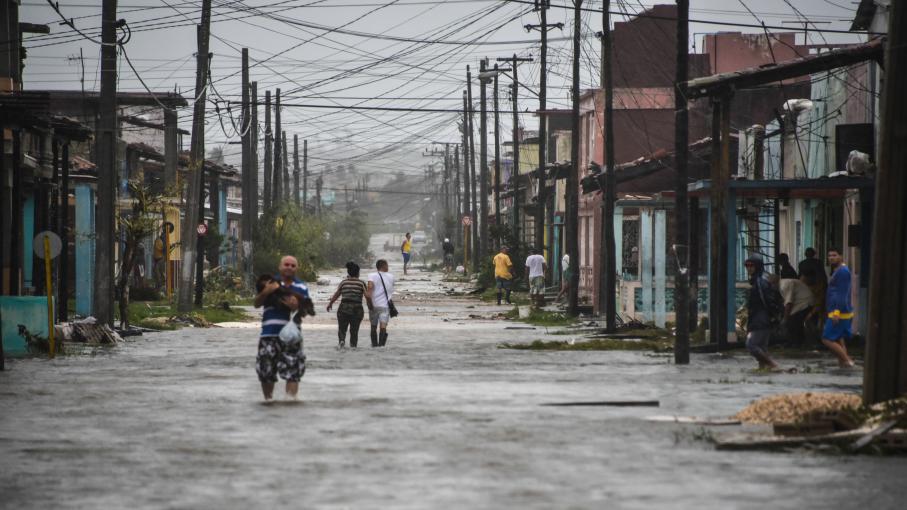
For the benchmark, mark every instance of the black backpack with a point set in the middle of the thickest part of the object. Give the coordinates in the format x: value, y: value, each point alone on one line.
x: 771, y: 299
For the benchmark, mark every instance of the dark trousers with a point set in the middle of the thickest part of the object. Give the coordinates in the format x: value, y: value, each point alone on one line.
x: 349, y: 318
x: 794, y: 331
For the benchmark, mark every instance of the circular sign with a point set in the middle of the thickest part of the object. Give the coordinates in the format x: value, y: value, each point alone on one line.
x: 467, y: 220
x: 202, y: 229
x: 169, y: 226
x: 55, y: 244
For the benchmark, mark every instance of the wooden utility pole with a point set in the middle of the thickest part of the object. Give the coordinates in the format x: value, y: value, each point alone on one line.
x: 515, y: 173
x: 63, y: 286
x: 296, y: 170
x: 681, y: 203
x: 189, y: 242
x: 542, y: 197
x: 249, y: 196
x: 266, y: 192
x: 473, y: 206
x: 318, y: 183
x: 718, y: 272
x: 277, y: 176
x: 447, y: 187
x: 607, y: 257
x: 305, y: 175
x: 497, y: 163
x: 107, y: 169
x: 286, y: 168
x: 885, y: 375
x: 482, y: 244
x: 253, y: 149
x: 467, y: 186
x: 571, y: 221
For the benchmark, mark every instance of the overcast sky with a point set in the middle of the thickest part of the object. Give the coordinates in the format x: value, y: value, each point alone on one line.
x: 378, y: 53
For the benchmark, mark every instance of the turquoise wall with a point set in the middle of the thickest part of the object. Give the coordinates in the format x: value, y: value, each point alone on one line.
x: 30, y: 311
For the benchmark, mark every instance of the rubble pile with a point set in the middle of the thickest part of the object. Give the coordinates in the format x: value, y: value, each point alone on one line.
x: 796, y: 407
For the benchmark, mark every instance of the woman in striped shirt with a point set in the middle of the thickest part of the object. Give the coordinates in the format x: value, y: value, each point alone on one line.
x: 349, y: 314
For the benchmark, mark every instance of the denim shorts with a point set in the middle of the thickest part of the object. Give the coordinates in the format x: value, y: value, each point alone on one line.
x: 503, y: 283
x: 379, y: 315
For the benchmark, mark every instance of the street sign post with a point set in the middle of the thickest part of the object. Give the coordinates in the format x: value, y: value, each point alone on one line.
x: 47, y: 246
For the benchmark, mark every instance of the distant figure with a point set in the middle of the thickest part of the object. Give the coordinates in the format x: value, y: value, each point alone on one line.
x: 536, y: 267
x: 350, y: 313
x: 406, y: 249
x: 813, y: 273
x: 379, y: 294
x: 785, y: 270
x: 799, y: 305
x: 448, y: 248
x: 839, y: 309
x: 157, y: 258
x: 502, y: 273
x: 759, y: 313
x: 565, y: 276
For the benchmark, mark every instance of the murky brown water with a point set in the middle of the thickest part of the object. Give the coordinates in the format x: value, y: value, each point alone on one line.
x: 440, y: 419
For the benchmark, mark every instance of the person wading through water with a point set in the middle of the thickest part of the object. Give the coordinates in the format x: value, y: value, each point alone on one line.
x: 406, y: 249
x: 761, y: 305
x: 349, y: 314
x: 380, y: 294
x: 839, y: 309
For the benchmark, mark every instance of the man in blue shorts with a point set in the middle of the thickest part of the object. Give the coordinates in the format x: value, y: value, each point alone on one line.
x: 838, y: 308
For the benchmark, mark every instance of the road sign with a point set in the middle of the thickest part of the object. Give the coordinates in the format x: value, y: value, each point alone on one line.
x: 467, y: 220
x: 202, y: 229
x: 55, y: 244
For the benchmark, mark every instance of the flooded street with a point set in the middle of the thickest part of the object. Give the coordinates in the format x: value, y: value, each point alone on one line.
x: 441, y: 418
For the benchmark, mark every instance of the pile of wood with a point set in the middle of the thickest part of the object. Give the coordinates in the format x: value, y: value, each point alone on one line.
x: 87, y: 331
x: 822, y: 419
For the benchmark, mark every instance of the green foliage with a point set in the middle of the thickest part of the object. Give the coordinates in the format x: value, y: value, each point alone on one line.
x: 288, y: 231
x: 347, y: 240
x: 224, y: 285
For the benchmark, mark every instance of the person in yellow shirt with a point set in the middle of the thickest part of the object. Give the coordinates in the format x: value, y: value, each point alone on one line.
x: 502, y: 274
x: 406, y: 249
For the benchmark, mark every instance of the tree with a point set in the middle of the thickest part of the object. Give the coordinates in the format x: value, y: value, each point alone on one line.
x: 139, y: 224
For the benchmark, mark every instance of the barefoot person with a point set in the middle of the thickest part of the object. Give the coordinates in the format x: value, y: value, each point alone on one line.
x: 349, y: 314
x: 838, y: 308
x: 380, y: 293
x: 274, y: 356
x: 406, y: 249
x: 759, y: 315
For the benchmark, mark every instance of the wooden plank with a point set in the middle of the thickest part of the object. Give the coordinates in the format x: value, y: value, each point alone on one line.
x: 607, y: 403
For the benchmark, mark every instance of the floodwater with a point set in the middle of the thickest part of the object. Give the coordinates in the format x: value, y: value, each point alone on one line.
x: 441, y: 418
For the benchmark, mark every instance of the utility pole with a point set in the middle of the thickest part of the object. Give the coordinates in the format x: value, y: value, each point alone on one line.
x: 467, y: 195
x: 296, y: 170
x: 472, y: 174
x: 497, y: 163
x: 266, y: 193
x: 515, y: 174
x: 572, y: 216
x: 253, y: 150
x: 458, y: 204
x: 286, y: 168
x: 248, y: 169
x: 189, y: 235
x: 608, y: 263
x: 885, y: 376
x: 682, y: 295
x: 447, y: 187
x: 107, y: 166
x: 278, y: 150
x: 305, y: 174
x: 318, y: 183
x: 482, y: 248
x: 542, y: 198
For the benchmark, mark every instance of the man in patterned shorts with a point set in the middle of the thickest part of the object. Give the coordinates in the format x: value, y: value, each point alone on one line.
x: 274, y: 356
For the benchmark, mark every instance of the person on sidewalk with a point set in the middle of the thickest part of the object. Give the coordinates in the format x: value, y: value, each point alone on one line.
x: 406, y: 249
x: 274, y: 356
x: 565, y: 277
x: 379, y: 294
x: 838, y: 308
x: 350, y: 313
x: 798, y: 306
x: 759, y: 324
x: 536, y: 267
x: 502, y: 273
x: 448, y: 249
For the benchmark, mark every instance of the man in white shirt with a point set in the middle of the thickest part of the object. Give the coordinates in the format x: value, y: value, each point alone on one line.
x: 565, y: 276
x: 799, y: 304
x: 380, y: 292
x: 535, y: 273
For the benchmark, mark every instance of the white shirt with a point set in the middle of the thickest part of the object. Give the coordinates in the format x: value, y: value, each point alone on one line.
x: 536, y: 265
x: 379, y: 298
x: 796, y: 293
x: 565, y: 262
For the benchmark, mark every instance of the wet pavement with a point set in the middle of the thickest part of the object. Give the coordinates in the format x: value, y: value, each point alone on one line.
x: 441, y: 418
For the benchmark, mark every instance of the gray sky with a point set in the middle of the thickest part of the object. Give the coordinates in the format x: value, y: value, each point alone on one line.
x: 292, y: 47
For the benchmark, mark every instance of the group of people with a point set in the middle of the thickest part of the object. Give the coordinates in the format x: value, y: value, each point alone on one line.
x: 284, y: 295
x: 794, y: 302
x: 536, y: 268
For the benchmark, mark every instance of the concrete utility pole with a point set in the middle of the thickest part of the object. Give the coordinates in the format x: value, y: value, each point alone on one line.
x: 318, y: 183
x: 472, y: 174
x: 572, y: 216
x: 447, y: 186
x: 266, y: 192
x: 514, y: 175
x: 249, y: 196
x: 276, y: 178
x: 296, y: 170
x: 482, y: 248
x: 608, y: 282
x: 885, y: 376
x: 305, y: 175
x: 253, y: 147
x: 497, y: 163
x: 682, y: 295
x: 542, y: 198
x: 107, y: 168
x: 467, y: 184
x: 286, y: 168
x: 189, y: 235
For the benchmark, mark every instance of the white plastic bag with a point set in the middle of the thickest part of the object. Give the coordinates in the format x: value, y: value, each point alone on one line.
x: 290, y: 334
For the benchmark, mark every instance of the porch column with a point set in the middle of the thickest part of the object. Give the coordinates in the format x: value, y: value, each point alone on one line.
x: 645, y: 262
x: 619, y: 253
x: 28, y: 236
x: 659, y: 249
x: 85, y: 246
